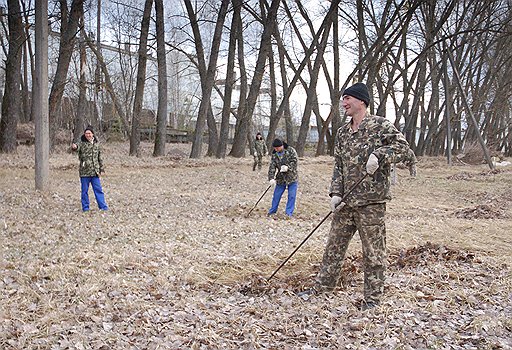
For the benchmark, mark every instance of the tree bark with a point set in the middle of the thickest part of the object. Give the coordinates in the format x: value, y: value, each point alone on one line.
x: 161, y: 116
x: 141, y: 78
x: 207, y: 74
x: 230, y: 80
x: 82, y: 89
x: 108, y: 85
x: 213, y: 139
x: 12, y: 94
x: 290, y: 134
x: 240, y: 139
x: 242, y: 101
x: 69, y: 28
x: 30, y: 58
x: 314, y: 71
x: 40, y: 94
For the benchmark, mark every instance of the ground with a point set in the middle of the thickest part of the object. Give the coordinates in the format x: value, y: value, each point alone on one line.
x: 177, y: 264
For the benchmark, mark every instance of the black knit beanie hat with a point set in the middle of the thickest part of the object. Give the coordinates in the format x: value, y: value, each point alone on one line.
x: 359, y: 91
x: 89, y: 127
x: 277, y: 143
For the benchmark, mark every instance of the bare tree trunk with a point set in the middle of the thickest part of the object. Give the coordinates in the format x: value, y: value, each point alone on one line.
x: 242, y: 102
x: 4, y: 32
x: 25, y: 115
x: 30, y: 58
x: 108, y: 85
x: 207, y: 74
x: 290, y: 134
x: 161, y: 116
x: 213, y: 139
x: 311, y: 96
x: 320, y: 147
x: 98, y: 94
x: 12, y: 95
x: 307, y: 56
x: 141, y: 78
x: 239, y: 142
x: 40, y: 94
x: 336, y: 93
x: 275, y: 117
x: 67, y: 43
x: 322, y: 127
x: 273, y: 89
x: 230, y: 80
x: 82, y: 88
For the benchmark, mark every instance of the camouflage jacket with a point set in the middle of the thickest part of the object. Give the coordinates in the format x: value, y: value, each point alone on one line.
x: 289, y: 158
x: 260, y: 147
x: 408, y: 158
x: 89, y: 154
x: 375, y: 135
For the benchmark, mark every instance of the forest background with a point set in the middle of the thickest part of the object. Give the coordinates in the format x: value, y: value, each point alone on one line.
x: 216, y: 72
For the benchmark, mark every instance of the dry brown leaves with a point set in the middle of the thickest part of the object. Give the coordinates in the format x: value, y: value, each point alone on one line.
x: 176, y: 264
x: 481, y: 211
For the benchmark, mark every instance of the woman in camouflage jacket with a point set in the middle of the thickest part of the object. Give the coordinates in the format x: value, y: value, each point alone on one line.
x: 284, y: 162
x: 91, y: 168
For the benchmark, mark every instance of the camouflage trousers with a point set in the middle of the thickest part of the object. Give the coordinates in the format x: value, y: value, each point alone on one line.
x: 369, y: 222
x: 257, y: 162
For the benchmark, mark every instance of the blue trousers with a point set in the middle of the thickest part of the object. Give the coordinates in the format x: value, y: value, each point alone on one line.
x: 278, y: 193
x: 98, y: 192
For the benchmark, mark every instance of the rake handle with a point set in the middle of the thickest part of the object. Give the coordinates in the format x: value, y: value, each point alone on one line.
x: 316, y: 227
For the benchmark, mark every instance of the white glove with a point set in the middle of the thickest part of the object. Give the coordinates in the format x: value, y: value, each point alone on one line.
x: 255, y: 154
x: 284, y: 168
x: 372, y: 164
x: 336, y: 203
x: 272, y: 182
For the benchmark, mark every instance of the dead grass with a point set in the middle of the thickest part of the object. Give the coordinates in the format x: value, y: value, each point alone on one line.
x: 176, y: 264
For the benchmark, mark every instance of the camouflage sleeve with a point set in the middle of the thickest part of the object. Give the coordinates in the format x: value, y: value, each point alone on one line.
x: 79, y: 150
x: 337, y: 172
x: 77, y: 146
x: 272, y: 167
x: 393, y: 141
x: 411, y: 158
x: 292, y: 160
x: 100, y: 160
x: 408, y: 158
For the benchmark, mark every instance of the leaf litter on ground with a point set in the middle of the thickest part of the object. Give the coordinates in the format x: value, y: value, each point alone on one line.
x: 175, y: 263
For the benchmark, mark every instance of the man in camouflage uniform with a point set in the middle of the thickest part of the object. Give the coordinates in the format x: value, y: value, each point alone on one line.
x: 363, y: 147
x: 260, y: 150
x: 284, y: 162
x: 91, y: 168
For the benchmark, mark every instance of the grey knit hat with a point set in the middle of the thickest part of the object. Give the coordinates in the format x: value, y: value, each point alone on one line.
x: 359, y: 91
